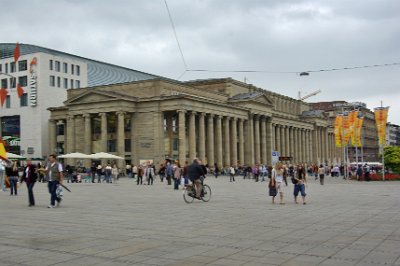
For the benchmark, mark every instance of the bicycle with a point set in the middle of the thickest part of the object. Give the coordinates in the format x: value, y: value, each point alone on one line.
x: 189, y: 193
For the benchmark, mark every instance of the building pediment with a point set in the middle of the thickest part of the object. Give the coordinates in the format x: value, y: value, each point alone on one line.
x: 94, y: 96
x: 258, y: 97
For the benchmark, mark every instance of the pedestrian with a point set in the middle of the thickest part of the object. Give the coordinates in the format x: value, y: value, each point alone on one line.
x: 256, y: 173
x: 321, y: 173
x: 54, y: 172
x: 30, y: 176
x: 272, y: 188
x: 128, y: 168
x: 114, y: 173
x: 149, y: 174
x: 2, y: 173
x: 170, y: 172
x: 359, y: 173
x: 93, y: 171
x: 366, y: 172
x: 99, y: 172
x: 185, y: 174
x: 177, y: 174
x: 140, y: 175
x: 108, y: 171
x: 231, y: 174
x: 12, y: 173
x: 134, y: 171
x: 161, y: 172
x: 299, y: 184
x: 216, y: 170
x: 196, y: 174
x: 277, y: 174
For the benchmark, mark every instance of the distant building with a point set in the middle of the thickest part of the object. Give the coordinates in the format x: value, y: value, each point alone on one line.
x: 369, y: 134
x: 392, y: 135
x: 45, y: 75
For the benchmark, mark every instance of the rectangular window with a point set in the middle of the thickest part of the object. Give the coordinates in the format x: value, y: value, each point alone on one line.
x: 52, y: 81
x: 77, y: 84
x: 65, y: 83
x: 72, y: 84
x: 23, y: 81
x: 65, y: 67
x: 6, y: 65
x: 60, y: 130
x: 1, y: 67
x: 78, y: 70
x: 12, y: 67
x: 72, y: 69
x: 24, y: 100
x: 51, y: 64
x: 58, y: 82
x: 58, y: 66
x: 13, y: 82
x: 4, y: 83
x: 22, y: 65
x: 111, y: 145
x: 127, y: 145
x: 8, y: 101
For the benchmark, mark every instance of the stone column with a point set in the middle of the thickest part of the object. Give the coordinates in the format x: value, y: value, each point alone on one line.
x: 327, y: 155
x: 269, y: 141
x: 315, y: 145
x: 182, y: 136
x: 304, y: 145
x: 249, y: 153
x: 219, y: 141
x: 234, y: 153
x: 291, y: 144
x: 121, y: 139
x: 287, y: 141
x: 202, y: 137
x: 192, y: 136
x: 134, y: 145
x: 52, y: 137
x: 282, y: 138
x: 70, y: 134
x: 263, y: 140
x: 210, y: 140
x: 278, y: 138
x: 103, y: 136
x: 257, y: 138
x: 299, y: 144
x: 241, y: 142
x: 227, y: 143
x: 87, y: 137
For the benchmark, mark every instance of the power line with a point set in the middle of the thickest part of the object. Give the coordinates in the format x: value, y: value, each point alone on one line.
x: 294, y: 72
x: 176, y: 36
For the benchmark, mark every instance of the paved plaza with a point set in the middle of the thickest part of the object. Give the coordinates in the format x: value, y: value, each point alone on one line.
x: 343, y: 223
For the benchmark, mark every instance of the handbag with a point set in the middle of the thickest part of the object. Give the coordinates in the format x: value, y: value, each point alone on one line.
x: 272, y: 191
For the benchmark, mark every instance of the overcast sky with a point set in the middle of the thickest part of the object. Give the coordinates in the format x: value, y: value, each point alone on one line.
x: 272, y: 36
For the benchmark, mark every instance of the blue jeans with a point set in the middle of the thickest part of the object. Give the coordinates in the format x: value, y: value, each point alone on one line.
x: 13, y: 185
x: 30, y: 193
x: 52, y: 190
x: 299, y: 188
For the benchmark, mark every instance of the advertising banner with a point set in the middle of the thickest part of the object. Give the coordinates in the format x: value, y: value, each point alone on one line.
x: 381, y: 115
x: 338, y: 130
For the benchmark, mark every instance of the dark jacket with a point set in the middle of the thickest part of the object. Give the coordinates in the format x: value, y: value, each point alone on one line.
x: 195, y: 171
x: 31, y: 176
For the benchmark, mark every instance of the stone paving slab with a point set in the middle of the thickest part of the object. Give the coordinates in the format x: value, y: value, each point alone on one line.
x: 343, y: 223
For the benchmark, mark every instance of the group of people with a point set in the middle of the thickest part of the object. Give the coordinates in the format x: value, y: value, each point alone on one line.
x: 30, y: 174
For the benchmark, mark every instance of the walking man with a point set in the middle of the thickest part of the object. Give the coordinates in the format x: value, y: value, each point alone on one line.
x: 54, y: 172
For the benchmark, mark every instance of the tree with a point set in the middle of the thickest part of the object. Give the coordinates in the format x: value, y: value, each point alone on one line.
x: 392, y: 158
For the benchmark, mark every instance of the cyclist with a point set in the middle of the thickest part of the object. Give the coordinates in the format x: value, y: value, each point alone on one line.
x: 196, y: 174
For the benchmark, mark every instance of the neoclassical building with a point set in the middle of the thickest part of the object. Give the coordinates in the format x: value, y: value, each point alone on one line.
x: 221, y: 121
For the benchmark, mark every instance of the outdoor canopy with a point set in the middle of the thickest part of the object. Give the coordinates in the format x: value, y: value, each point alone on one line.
x: 104, y: 155
x: 75, y: 155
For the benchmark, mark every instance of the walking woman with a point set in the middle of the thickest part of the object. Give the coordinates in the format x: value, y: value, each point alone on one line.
x: 30, y: 176
x: 12, y: 173
x: 277, y: 174
x: 272, y: 188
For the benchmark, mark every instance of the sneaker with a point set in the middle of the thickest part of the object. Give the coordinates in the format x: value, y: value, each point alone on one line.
x: 50, y: 206
x: 59, y: 202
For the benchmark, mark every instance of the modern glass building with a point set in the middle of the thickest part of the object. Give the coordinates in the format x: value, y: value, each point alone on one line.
x: 39, y: 80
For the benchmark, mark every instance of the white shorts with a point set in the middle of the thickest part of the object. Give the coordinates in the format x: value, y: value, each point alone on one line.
x: 280, y: 187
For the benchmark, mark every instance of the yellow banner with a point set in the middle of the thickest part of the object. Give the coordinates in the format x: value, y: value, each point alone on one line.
x: 352, y: 119
x: 346, y: 130
x: 357, y: 132
x: 338, y: 130
x: 3, y: 154
x: 381, y: 115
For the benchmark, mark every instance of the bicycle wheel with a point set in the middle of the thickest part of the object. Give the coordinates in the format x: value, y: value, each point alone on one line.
x: 188, y: 195
x: 206, y: 193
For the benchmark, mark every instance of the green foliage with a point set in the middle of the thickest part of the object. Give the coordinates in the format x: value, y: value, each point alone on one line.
x: 392, y: 158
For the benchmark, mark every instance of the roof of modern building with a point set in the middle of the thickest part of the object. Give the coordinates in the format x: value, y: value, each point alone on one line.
x: 99, y: 73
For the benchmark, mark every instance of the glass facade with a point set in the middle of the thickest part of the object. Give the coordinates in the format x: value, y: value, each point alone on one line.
x: 11, y: 134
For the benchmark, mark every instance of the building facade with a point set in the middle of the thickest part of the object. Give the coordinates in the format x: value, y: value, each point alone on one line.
x: 392, y: 135
x: 221, y: 121
x: 44, y: 76
x: 369, y: 152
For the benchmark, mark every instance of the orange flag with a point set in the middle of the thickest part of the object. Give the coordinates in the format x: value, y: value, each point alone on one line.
x: 20, y: 90
x: 3, y: 154
x: 16, y: 53
x: 3, y: 95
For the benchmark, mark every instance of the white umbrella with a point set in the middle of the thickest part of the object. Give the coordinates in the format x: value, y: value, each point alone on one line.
x: 14, y: 156
x: 75, y: 155
x: 104, y: 155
